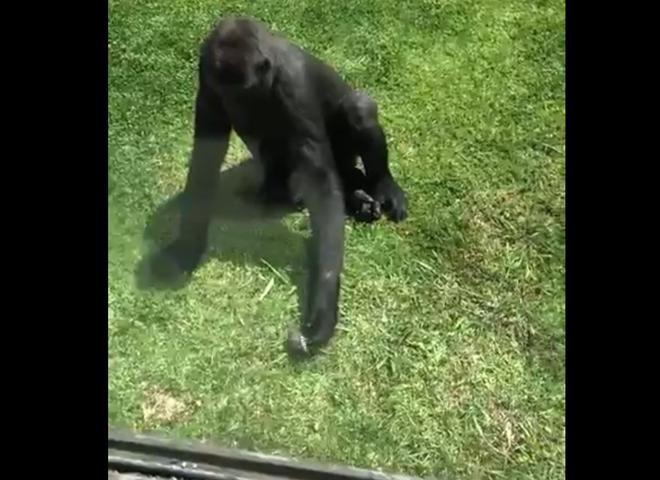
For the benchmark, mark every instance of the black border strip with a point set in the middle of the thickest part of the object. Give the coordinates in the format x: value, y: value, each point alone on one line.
x: 121, y: 464
x: 151, y: 455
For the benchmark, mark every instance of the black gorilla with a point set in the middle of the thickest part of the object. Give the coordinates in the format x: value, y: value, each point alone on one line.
x: 307, y: 127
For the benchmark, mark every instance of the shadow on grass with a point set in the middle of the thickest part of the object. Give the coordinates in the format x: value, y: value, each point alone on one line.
x: 243, y: 232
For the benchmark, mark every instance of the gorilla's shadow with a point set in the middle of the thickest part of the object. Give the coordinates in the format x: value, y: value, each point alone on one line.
x: 243, y: 231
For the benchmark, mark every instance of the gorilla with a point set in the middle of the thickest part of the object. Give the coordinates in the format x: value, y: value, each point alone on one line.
x: 307, y: 127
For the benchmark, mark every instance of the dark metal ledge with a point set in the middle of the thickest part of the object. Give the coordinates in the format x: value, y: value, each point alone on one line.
x: 138, y: 456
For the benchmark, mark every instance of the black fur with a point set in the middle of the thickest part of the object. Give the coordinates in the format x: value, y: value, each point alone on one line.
x: 307, y: 127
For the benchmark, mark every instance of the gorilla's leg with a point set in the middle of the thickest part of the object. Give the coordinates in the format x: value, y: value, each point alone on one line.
x: 361, y: 114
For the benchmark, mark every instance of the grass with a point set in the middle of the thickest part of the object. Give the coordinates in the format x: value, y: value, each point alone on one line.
x: 450, y: 356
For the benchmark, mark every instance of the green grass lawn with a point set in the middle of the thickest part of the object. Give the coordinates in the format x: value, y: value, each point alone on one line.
x: 450, y: 354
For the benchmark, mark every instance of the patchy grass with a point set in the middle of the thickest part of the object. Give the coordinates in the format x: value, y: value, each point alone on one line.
x: 450, y: 355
